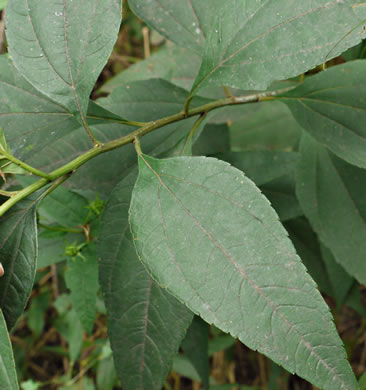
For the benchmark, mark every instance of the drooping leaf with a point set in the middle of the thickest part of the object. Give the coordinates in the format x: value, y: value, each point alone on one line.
x: 184, y: 22
x: 195, y: 348
x: 18, y: 253
x: 146, y: 324
x: 253, y: 43
x: 82, y: 280
x: 8, y: 375
x: 331, y: 193
x: 330, y: 106
x: 206, y: 233
x: 62, y: 47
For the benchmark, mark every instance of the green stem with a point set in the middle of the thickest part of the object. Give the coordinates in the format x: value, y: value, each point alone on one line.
x: 117, y: 143
x: 193, y: 130
x: 8, y: 194
x: 23, y: 165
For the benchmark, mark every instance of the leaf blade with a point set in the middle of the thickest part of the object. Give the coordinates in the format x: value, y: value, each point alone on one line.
x: 229, y: 288
x: 36, y: 49
x: 329, y: 106
x: 146, y: 324
x: 18, y: 251
x: 330, y: 192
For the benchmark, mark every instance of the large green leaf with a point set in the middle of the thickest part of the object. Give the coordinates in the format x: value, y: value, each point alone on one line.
x: 30, y: 120
x: 34, y: 125
x: 331, y: 107
x: 254, y: 43
x: 184, y: 22
x: 18, y: 253
x: 8, y: 375
x: 146, y: 324
x: 62, y: 47
x: 208, y: 235
x: 332, y: 194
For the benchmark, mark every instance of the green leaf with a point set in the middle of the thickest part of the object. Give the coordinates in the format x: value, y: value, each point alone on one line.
x: 81, y: 279
x: 267, y: 126
x: 169, y: 63
x: 70, y: 327
x: 8, y: 375
x: 18, y: 253
x: 330, y: 106
x: 61, y: 206
x: 281, y: 193
x: 30, y: 120
x: 3, y: 4
x: 307, y: 246
x: 51, y: 247
x: 240, y: 52
x: 36, y: 312
x: 63, y: 62
x: 205, y: 232
x: 145, y: 323
x: 154, y: 98
x: 331, y: 193
x: 363, y: 382
x: 214, y: 139
x: 195, y: 348
x: 273, y: 171
x: 340, y: 280
x: 185, y: 23
x: 262, y: 166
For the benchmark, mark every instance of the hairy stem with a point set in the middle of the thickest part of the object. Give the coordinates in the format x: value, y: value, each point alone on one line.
x: 117, y: 143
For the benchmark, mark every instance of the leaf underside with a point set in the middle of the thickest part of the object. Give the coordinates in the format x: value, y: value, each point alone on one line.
x: 61, y: 48
x: 18, y: 254
x: 331, y: 107
x: 207, y: 234
x: 332, y: 194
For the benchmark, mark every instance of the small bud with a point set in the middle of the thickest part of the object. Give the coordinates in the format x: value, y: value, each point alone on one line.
x: 1, y: 270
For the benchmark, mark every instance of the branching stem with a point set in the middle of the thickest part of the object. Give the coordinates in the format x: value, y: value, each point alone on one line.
x: 117, y: 143
x: 23, y: 165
